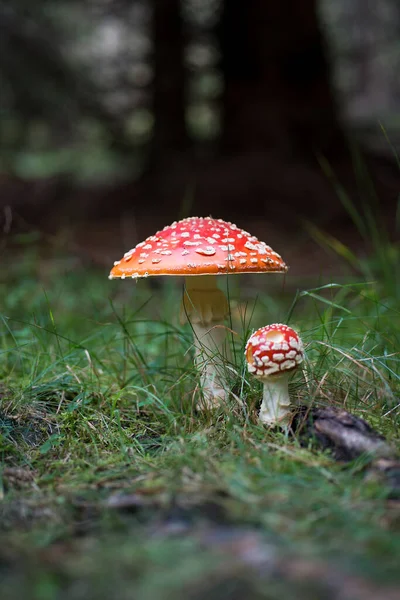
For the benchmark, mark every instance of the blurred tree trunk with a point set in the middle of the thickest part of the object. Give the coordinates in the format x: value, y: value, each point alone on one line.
x: 169, y: 134
x: 277, y: 79
x: 166, y: 172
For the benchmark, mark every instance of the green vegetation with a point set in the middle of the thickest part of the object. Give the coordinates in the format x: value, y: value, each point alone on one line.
x: 110, y: 481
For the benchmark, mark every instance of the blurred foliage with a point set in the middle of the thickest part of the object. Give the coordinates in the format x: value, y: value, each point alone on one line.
x: 365, y: 46
x: 62, y: 77
x: 76, y: 78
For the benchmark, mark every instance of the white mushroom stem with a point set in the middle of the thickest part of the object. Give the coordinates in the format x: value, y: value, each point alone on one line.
x: 275, y: 406
x: 206, y: 307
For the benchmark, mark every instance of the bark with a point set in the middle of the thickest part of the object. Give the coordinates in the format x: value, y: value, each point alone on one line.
x: 348, y: 437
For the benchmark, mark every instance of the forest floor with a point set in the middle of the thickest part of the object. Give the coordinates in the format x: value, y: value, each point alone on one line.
x: 112, y: 485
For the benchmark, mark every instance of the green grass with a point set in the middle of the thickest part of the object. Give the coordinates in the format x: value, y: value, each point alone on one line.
x: 97, y: 395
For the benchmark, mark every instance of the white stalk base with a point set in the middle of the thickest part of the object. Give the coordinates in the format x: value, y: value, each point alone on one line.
x: 275, y: 406
x: 211, y: 354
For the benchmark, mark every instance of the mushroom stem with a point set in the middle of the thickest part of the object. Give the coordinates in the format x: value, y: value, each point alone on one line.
x: 210, y: 354
x: 275, y: 405
x: 206, y: 307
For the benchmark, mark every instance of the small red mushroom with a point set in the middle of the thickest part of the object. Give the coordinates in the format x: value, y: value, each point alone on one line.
x: 201, y: 249
x: 272, y: 353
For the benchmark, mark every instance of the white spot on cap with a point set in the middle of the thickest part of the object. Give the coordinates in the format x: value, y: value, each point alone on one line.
x: 266, y: 361
x: 270, y: 370
x: 206, y: 251
x: 250, y: 246
x: 288, y: 364
x: 278, y: 346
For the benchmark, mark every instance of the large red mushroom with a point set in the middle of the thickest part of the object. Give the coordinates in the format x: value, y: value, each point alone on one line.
x: 200, y: 249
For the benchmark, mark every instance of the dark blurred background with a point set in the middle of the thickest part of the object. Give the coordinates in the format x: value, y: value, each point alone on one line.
x: 119, y: 116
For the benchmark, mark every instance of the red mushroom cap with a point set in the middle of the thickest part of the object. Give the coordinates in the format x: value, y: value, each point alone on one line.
x: 199, y: 246
x: 272, y: 350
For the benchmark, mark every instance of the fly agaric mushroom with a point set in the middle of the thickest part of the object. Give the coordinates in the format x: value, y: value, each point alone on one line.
x: 201, y: 248
x: 272, y: 353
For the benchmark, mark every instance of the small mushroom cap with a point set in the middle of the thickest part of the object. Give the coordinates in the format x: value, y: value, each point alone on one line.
x: 273, y: 350
x: 199, y: 246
